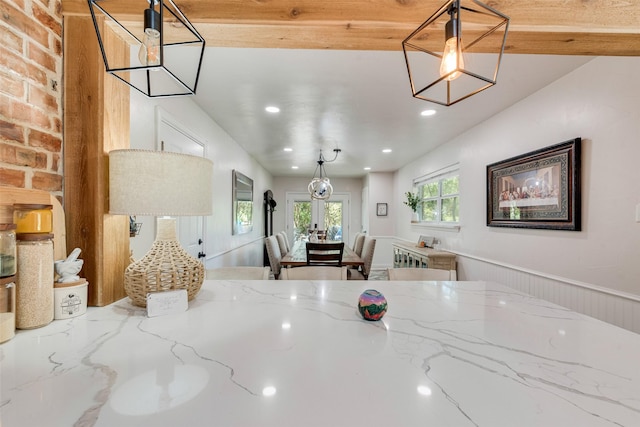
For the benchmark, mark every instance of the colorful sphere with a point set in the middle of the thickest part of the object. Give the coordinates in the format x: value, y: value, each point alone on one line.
x: 372, y: 305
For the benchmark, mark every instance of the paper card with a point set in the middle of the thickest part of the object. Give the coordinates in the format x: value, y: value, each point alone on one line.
x: 168, y: 302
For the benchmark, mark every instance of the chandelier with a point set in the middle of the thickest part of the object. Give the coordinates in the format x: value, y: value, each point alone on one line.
x: 320, y: 187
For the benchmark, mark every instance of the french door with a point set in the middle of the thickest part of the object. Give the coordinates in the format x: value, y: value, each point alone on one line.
x: 304, y: 214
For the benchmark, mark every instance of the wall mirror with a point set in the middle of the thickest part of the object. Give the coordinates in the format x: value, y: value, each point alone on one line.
x: 242, y: 203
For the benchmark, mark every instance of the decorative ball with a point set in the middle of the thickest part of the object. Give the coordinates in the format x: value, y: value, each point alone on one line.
x: 372, y: 305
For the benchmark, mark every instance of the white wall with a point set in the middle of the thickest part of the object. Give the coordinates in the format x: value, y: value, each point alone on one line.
x: 599, y: 102
x: 221, y: 247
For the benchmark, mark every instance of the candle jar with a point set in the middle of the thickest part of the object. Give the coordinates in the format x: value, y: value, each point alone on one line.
x: 7, y: 308
x: 34, y: 280
x: 7, y: 250
x: 31, y: 218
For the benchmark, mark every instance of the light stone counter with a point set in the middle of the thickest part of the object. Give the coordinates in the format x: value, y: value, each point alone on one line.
x: 297, y: 353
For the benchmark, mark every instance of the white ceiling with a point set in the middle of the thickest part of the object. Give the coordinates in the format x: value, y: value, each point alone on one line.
x: 358, y: 101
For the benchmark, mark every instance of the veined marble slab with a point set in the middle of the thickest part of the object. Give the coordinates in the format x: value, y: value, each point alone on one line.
x: 297, y: 353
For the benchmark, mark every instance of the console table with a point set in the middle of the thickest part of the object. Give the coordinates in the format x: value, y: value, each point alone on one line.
x: 410, y: 255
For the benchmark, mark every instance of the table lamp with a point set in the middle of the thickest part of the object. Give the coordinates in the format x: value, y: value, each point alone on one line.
x: 160, y: 183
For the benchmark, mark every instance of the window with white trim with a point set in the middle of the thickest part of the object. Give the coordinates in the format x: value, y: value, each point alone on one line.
x: 440, y: 196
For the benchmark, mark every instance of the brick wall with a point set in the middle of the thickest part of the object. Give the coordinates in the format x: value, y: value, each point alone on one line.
x: 31, y: 94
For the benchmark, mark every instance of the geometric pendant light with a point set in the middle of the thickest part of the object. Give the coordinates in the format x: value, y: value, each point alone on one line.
x: 149, y: 45
x: 456, y: 53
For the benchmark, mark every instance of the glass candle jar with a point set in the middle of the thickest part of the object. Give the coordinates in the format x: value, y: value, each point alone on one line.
x: 34, y: 280
x: 7, y: 250
x: 33, y: 218
x: 7, y: 308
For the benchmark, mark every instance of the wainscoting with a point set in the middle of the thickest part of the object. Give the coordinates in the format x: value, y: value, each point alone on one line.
x: 608, y: 305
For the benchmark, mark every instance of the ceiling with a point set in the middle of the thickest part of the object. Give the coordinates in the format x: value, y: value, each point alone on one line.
x: 337, y: 72
x: 357, y: 101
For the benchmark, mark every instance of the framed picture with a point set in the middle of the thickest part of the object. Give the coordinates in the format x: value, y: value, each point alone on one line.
x: 540, y: 189
x: 381, y: 209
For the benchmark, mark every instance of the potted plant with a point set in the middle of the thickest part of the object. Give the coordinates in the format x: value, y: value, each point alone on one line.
x: 413, y: 200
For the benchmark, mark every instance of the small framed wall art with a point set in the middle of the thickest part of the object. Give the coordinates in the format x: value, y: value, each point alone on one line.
x: 381, y: 209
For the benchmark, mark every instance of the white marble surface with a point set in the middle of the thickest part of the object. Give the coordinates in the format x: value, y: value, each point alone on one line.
x: 297, y: 353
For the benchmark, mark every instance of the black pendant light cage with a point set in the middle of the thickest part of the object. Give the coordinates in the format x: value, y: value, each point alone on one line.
x: 120, y: 29
x: 481, y: 33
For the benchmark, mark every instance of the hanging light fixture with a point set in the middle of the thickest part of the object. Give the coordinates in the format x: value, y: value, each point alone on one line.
x: 320, y: 187
x: 467, y: 63
x: 149, y: 45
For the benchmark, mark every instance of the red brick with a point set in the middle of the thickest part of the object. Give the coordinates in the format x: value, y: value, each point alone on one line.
x: 11, y: 132
x: 55, y: 162
x: 45, y: 140
x: 57, y: 46
x: 26, y: 113
x: 46, y: 181
x: 43, y: 100
x: 11, y: 41
x: 45, y: 18
x: 12, y: 178
x: 41, y: 161
x: 11, y: 86
x: 57, y: 124
x: 20, y: 156
x: 17, y: 64
x: 17, y: 19
x: 36, y: 54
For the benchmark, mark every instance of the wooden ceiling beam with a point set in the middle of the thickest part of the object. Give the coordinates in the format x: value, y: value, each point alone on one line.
x: 570, y: 27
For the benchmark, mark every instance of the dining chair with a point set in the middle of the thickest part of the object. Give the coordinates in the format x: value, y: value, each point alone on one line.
x: 238, y: 273
x: 329, y: 254
x: 314, y: 273
x: 358, y: 243
x: 286, y: 240
x: 368, y: 248
x: 282, y: 244
x: 274, y: 254
x: 421, y: 274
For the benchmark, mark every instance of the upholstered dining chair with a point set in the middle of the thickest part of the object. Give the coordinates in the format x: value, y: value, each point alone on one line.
x: 421, y: 274
x: 329, y: 254
x: 358, y: 243
x: 368, y: 248
x: 286, y: 240
x: 282, y: 244
x: 240, y: 273
x: 274, y: 254
x: 314, y: 273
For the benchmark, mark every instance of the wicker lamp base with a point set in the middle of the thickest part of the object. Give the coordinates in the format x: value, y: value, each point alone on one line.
x: 166, y: 267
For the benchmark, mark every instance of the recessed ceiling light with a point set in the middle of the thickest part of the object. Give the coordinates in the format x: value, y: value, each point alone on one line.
x: 288, y: 149
x: 367, y: 168
x: 387, y: 150
x: 294, y: 167
x: 428, y: 113
x: 272, y: 109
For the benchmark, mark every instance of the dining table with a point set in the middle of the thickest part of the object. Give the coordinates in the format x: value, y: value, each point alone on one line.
x: 298, y: 353
x: 297, y: 256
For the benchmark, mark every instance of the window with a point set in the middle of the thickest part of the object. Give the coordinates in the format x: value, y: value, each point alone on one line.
x: 440, y: 196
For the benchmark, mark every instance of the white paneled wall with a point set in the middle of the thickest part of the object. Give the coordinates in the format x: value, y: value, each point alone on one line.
x: 607, y: 305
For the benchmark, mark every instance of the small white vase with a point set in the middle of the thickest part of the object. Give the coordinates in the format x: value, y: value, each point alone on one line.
x: 415, y: 217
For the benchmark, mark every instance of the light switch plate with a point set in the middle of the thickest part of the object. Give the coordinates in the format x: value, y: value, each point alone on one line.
x: 638, y: 212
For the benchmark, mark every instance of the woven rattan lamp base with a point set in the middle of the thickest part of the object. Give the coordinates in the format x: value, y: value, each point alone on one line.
x: 166, y: 267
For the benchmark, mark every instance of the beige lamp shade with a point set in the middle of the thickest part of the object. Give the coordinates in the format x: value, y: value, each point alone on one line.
x: 143, y: 182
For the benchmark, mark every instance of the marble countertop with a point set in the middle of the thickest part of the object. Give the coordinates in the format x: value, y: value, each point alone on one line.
x: 297, y: 353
